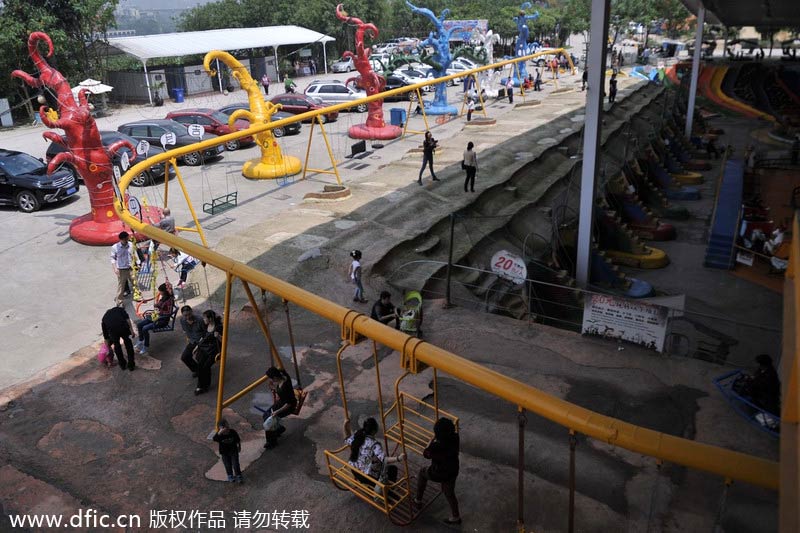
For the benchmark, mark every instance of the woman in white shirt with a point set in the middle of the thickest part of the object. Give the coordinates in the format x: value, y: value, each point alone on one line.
x: 367, y: 455
x: 471, y: 167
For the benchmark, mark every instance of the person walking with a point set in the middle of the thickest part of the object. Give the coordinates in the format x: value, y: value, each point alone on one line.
x: 510, y: 90
x: 193, y: 329
x: 355, y: 276
x: 612, y: 88
x: 265, y: 83
x: 443, y: 453
x: 584, y: 79
x: 117, y: 326
x: 229, y: 447
x: 122, y: 258
x: 537, y: 82
x: 470, y: 107
x: 428, y: 147
x: 471, y: 167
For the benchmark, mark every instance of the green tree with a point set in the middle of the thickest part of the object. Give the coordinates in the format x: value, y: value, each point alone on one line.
x: 71, y: 24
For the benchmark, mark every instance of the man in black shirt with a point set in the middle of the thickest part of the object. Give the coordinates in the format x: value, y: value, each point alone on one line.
x: 384, y: 310
x: 117, y: 325
x: 194, y: 329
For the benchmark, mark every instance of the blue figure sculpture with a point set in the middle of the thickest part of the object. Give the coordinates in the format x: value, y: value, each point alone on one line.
x: 522, y: 40
x: 439, y: 39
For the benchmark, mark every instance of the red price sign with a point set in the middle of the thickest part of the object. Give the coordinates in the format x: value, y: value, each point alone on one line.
x: 509, y: 266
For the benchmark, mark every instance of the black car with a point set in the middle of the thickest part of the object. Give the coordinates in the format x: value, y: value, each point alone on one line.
x: 24, y: 182
x: 147, y: 177
x: 152, y: 130
x: 289, y: 129
x: 393, y: 82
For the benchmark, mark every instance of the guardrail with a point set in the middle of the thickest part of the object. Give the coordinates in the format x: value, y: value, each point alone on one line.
x: 723, y: 462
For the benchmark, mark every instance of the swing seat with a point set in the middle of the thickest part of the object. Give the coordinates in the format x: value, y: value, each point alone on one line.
x: 386, y: 497
x: 221, y: 203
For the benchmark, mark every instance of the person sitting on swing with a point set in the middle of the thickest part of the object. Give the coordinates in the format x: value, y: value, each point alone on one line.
x: 207, y: 349
x: 158, y: 318
x: 367, y: 455
x: 183, y: 263
x: 285, y: 404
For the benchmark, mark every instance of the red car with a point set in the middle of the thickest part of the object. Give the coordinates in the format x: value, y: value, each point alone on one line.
x: 214, y: 122
x: 296, y: 103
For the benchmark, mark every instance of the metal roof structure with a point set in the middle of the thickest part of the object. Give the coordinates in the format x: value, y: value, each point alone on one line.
x: 761, y: 13
x: 199, y: 42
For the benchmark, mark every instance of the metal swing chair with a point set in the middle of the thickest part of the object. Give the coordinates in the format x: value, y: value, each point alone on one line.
x: 410, y: 431
x: 299, y: 393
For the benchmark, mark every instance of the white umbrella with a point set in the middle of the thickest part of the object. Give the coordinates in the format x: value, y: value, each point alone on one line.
x: 93, y: 86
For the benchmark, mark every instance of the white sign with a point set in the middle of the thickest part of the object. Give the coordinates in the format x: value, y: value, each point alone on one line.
x: 509, y: 266
x: 616, y: 318
x: 168, y: 139
x: 115, y: 182
x: 143, y: 147
x: 196, y: 130
x: 134, y: 206
x: 125, y: 161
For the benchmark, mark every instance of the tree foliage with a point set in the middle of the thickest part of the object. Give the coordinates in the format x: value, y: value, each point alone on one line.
x: 69, y: 23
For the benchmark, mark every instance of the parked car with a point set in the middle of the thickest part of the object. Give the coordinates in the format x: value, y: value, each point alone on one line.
x: 396, y: 82
x: 412, y: 76
x: 466, y: 62
x: 152, y: 130
x: 147, y: 177
x: 456, y: 68
x: 24, y: 182
x: 213, y: 122
x: 384, y: 48
x: 335, y: 92
x: 343, y: 65
x: 299, y: 103
x: 289, y: 129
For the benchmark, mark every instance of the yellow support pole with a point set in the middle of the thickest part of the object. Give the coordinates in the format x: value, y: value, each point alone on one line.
x: 330, y: 152
x: 226, y: 315
x: 189, y: 203
x: 308, y: 147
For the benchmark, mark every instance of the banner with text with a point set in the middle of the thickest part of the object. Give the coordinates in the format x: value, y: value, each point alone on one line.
x: 466, y: 30
x: 615, y: 318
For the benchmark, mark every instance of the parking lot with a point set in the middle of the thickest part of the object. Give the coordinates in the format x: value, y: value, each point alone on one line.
x: 55, y: 290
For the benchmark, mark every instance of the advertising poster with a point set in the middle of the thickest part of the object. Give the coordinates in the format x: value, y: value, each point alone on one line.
x: 637, y: 322
x: 466, y: 28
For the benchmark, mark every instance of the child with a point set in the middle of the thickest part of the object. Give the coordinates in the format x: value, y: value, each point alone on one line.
x: 355, y: 275
x: 229, y: 447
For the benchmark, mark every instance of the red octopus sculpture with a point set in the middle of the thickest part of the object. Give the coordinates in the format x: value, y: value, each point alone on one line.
x: 86, y: 152
x: 369, y: 81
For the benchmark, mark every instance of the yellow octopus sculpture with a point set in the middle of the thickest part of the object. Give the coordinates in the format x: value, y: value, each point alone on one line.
x: 273, y: 163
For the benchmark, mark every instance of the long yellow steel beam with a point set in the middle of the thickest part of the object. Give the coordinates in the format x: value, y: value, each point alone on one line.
x: 692, y: 454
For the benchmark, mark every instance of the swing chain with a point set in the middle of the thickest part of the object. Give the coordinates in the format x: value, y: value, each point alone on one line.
x: 291, y: 342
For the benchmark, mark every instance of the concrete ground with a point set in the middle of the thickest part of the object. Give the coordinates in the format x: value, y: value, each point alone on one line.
x: 38, y: 255
x: 80, y: 436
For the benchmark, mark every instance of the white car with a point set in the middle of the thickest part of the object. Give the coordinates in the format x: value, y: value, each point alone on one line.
x: 383, y: 48
x: 343, y: 65
x: 470, y: 64
x: 414, y: 76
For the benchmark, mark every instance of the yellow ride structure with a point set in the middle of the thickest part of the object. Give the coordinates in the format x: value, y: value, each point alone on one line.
x: 416, y: 356
x: 273, y: 163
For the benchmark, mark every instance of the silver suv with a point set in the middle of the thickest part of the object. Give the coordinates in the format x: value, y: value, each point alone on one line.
x: 335, y: 92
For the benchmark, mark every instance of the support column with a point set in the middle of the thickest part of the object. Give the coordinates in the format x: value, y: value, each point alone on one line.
x: 147, y: 82
x: 277, y: 65
x: 324, y: 57
x: 598, y: 39
x: 698, y: 48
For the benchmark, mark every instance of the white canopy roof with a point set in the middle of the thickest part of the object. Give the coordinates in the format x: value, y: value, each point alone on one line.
x: 199, y: 42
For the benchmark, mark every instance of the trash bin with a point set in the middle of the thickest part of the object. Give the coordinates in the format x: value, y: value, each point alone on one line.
x: 397, y: 116
x: 177, y: 94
